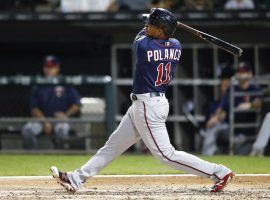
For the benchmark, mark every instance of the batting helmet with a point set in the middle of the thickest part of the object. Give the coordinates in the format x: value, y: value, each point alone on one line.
x: 162, y: 18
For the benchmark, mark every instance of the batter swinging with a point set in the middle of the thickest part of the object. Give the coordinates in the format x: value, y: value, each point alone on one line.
x: 157, y: 56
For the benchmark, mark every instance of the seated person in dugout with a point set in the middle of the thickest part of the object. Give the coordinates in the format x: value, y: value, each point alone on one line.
x: 219, y: 121
x: 225, y: 76
x: 58, y: 101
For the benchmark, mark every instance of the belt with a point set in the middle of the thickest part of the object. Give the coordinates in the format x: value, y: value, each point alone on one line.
x: 151, y: 94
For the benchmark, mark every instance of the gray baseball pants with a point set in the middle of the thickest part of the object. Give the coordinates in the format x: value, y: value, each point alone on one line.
x: 31, y: 130
x: 145, y: 120
x: 210, y: 140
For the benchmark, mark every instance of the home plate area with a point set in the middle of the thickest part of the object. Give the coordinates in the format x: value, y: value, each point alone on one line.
x: 136, y: 187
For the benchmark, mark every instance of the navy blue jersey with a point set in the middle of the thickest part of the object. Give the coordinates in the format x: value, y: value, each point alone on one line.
x: 211, y: 109
x: 50, y: 99
x: 241, y: 117
x: 156, y: 63
x: 225, y: 101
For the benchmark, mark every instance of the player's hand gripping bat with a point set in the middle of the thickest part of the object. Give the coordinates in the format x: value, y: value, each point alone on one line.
x: 213, y: 40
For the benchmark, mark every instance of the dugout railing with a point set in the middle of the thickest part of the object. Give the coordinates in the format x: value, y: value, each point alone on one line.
x: 262, y: 83
x: 196, y: 80
x: 81, y: 124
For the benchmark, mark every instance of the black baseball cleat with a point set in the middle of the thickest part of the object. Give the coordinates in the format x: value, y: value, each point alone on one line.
x: 222, y: 183
x: 62, y: 179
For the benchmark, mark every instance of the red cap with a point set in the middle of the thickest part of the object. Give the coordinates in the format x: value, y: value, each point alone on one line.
x: 243, y: 67
x: 51, y: 61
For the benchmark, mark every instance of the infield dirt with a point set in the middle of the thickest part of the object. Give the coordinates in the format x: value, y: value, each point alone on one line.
x: 164, y: 187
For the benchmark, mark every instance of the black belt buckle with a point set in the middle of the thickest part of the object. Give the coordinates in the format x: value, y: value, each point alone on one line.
x: 134, y: 97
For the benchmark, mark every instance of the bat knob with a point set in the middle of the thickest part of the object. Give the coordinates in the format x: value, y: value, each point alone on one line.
x: 240, y: 52
x: 145, y: 17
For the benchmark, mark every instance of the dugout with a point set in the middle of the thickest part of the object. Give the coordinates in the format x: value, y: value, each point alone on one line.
x: 99, y: 44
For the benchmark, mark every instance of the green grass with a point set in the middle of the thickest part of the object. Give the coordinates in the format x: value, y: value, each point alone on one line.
x: 15, y: 165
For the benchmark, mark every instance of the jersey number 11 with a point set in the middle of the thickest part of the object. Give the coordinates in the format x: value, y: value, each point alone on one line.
x: 160, y: 70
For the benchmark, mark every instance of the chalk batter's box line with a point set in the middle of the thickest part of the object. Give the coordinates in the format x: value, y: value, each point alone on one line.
x: 130, y: 176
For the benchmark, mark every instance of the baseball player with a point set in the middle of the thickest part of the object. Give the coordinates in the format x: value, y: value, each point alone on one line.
x: 59, y: 101
x: 218, y: 123
x: 157, y: 56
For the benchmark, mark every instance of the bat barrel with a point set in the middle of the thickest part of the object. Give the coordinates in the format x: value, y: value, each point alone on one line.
x: 213, y: 40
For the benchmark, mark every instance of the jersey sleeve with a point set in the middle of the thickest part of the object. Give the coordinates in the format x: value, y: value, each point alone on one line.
x: 34, y: 99
x: 74, y: 97
x: 138, y: 39
x: 224, y: 102
x: 256, y: 89
x: 176, y: 42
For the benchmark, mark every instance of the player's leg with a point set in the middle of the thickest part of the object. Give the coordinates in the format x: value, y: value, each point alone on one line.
x: 262, y: 137
x: 210, y: 140
x: 61, y: 134
x: 121, y: 139
x: 29, y: 133
x: 150, y: 120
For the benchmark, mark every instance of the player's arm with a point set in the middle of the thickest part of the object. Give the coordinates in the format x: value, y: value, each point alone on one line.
x: 138, y: 40
x: 218, y: 117
x: 256, y: 103
x: 35, y: 103
x: 72, y: 110
x: 74, y: 101
x: 220, y: 113
x: 36, y: 112
x: 140, y: 35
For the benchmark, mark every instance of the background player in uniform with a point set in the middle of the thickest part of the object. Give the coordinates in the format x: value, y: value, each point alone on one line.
x: 157, y: 57
x: 218, y: 123
x: 222, y: 127
x: 51, y: 101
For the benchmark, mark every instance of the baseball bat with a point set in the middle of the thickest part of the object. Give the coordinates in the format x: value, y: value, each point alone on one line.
x: 213, y: 40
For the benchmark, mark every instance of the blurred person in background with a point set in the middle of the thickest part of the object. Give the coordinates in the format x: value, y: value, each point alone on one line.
x: 56, y: 101
x: 220, y: 119
x: 128, y: 5
x: 198, y: 4
x: 166, y: 4
x: 239, y: 5
x: 85, y: 5
x: 212, y: 131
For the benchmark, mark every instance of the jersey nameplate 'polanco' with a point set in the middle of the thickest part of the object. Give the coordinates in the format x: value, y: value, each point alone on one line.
x: 156, y: 63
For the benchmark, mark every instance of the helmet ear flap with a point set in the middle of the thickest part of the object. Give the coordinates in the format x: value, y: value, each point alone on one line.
x: 168, y: 31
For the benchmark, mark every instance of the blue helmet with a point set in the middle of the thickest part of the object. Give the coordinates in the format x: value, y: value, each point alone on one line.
x: 162, y: 18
